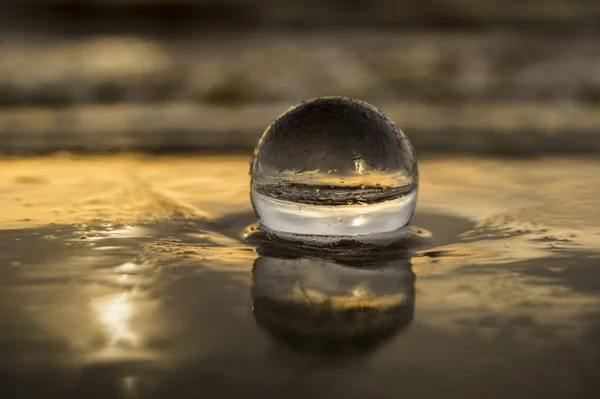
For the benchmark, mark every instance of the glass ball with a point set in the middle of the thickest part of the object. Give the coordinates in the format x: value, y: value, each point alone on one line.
x: 333, y: 166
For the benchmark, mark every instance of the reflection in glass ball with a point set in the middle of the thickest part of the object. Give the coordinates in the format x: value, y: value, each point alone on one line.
x: 334, y: 166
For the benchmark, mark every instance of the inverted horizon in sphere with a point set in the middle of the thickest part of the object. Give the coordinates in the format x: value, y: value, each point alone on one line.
x: 334, y: 166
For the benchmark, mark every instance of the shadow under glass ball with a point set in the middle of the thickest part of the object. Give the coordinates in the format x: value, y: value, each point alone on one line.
x: 349, y: 250
x: 334, y: 166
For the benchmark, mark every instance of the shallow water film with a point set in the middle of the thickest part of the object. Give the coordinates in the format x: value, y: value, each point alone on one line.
x: 129, y: 276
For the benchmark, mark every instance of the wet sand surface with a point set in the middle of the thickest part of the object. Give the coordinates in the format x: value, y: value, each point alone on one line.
x: 127, y: 276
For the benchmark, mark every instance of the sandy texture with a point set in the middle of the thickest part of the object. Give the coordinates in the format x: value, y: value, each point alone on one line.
x: 124, y: 189
x: 557, y: 193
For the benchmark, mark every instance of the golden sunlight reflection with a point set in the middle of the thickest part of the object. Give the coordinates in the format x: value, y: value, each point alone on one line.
x: 130, y: 231
x: 128, y: 318
x: 360, y: 291
x: 359, y: 166
x: 115, y: 314
x: 128, y: 267
x: 358, y: 221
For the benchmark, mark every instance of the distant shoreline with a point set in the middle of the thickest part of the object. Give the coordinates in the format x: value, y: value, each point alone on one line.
x: 513, y: 129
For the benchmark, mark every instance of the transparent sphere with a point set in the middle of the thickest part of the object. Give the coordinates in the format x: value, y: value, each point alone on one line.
x: 334, y: 166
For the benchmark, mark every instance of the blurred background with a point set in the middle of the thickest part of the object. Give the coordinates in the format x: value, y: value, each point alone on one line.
x: 511, y: 77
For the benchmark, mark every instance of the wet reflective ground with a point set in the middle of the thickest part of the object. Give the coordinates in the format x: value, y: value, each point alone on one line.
x: 129, y: 277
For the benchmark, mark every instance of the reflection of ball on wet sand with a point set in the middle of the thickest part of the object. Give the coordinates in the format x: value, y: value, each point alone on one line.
x: 320, y: 306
